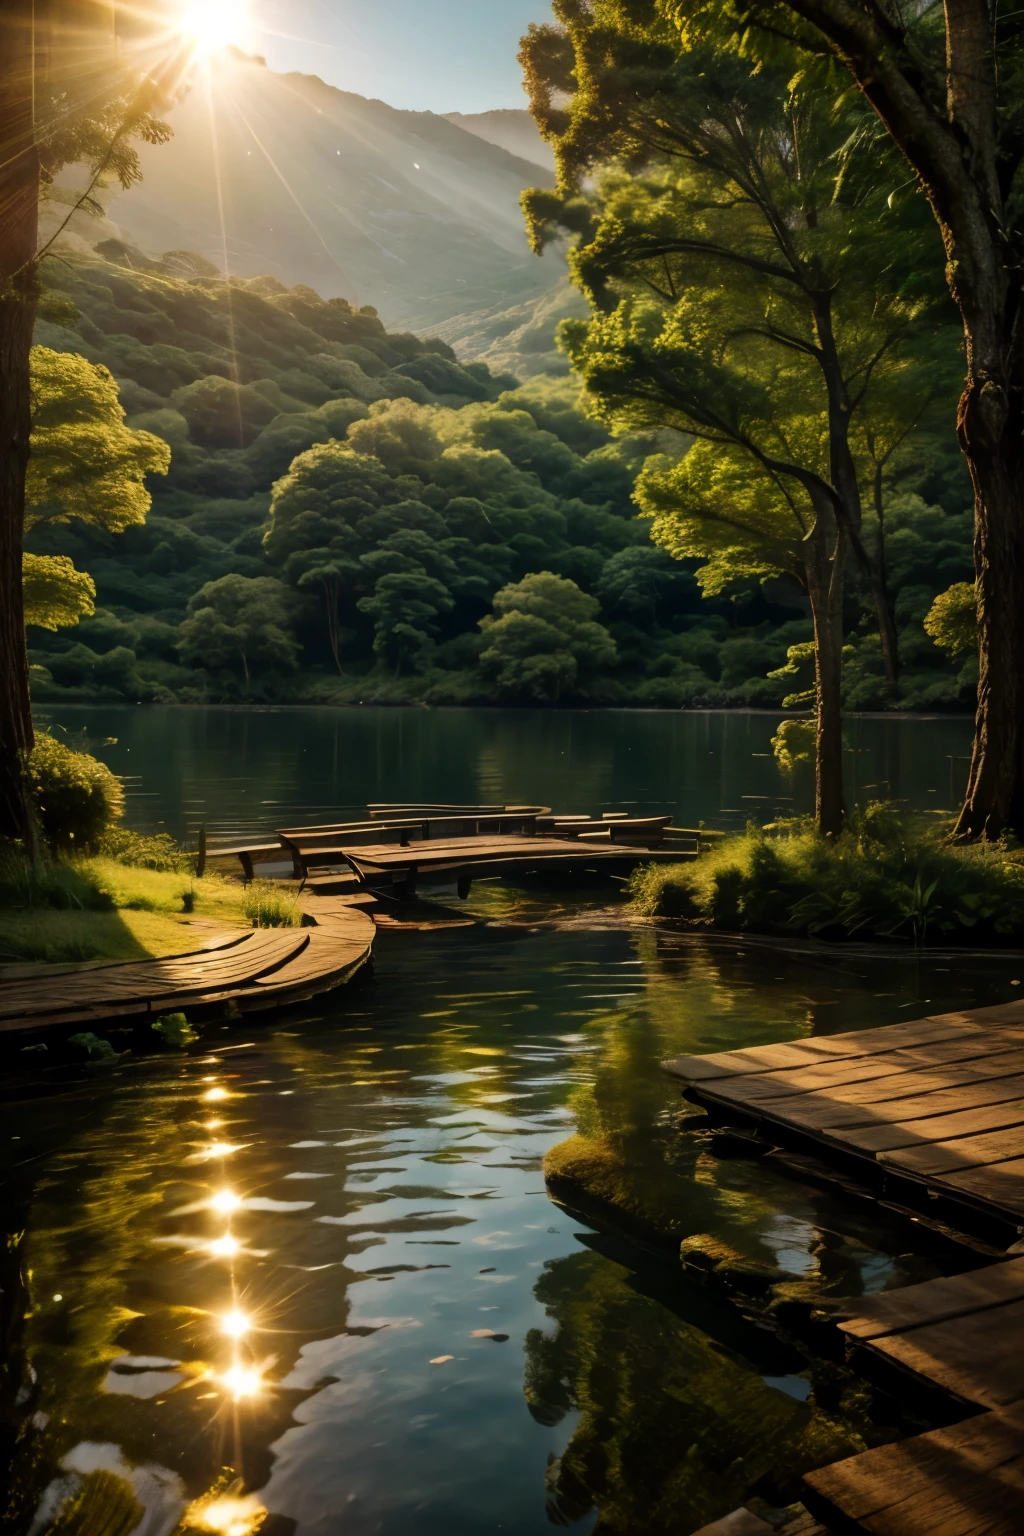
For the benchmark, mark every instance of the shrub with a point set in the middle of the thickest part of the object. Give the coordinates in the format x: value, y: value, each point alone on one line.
x: 77, y: 798
x: 266, y: 905
x: 887, y: 876
x: 157, y: 852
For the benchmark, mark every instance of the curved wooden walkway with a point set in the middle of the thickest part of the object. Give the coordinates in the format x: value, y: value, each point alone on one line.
x: 264, y: 968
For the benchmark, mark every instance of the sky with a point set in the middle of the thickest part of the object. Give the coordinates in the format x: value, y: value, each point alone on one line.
x: 427, y: 55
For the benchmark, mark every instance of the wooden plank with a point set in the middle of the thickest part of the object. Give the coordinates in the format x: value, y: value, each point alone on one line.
x: 962, y: 1153
x: 924, y: 1095
x: 967, y: 1480
x: 972, y: 1357
x: 795, y: 1053
x: 153, y: 980
x: 899, y: 1133
x: 741, y: 1522
x: 1000, y: 1186
x: 767, y: 1086
x: 935, y: 1301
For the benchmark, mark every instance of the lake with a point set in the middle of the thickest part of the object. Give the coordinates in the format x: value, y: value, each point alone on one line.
x: 307, y: 1278
x: 244, y: 771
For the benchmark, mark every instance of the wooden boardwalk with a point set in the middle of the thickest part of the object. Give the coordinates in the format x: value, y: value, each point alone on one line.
x: 958, y: 1338
x: 462, y: 859
x: 929, y: 1112
x: 262, y: 968
x: 398, y: 845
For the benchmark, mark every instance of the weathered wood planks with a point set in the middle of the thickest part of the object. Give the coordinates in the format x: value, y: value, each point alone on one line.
x: 254, y: 969
x: 936, y: 1103
x: 967, y: 1480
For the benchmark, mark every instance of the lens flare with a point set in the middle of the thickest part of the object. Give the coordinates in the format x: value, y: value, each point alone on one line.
x: 224, y: 1247
x: 235, y: 1324
x: 242, y: 1381
x: 213, y: 25
x: 225, y: 1201
x: 219, y: 1149
x: 227, y: 1514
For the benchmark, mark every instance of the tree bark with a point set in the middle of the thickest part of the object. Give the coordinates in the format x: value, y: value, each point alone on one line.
x: 995, y: 785
x: 845, y: 479
x: 826, y: 558
x: 19, y: 203
x: 331, y: 602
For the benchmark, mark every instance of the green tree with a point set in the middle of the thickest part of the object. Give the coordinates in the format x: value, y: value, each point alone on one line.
x: 85, y: 103
x: 952, y: 619
x: 948, y: 91
x: 543, y: 639
x: 86, y: 466
x: 240, y: 623
x: 405, y: 606
x: 739, y: 284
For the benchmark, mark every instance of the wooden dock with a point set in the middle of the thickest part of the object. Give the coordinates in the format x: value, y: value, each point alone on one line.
x: 928, y: 1113
x: 264, y: 968
x: 954, y: 1339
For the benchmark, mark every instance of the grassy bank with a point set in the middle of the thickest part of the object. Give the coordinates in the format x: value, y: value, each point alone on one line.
x: 888, y: 876
x: 104, y: 908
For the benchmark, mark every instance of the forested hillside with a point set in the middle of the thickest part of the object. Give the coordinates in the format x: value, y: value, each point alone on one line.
x: 350, y: 514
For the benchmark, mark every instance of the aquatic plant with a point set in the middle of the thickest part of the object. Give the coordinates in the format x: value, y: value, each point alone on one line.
x: 174, y: 1029
x: 266, y: 905
x: 95, y: 1047
x: 889, y: 875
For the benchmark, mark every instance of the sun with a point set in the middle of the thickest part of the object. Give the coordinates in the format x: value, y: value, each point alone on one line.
x: 213, y: 25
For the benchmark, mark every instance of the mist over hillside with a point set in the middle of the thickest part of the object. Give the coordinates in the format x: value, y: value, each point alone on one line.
x: 510, y: 127
x: 283, y: 174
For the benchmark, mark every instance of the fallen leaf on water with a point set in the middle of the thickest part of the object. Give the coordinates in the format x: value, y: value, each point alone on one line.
x: 441, y: 1359
x: 482, y: 1333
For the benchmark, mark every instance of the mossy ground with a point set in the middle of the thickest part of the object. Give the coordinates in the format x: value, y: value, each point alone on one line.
x: 98, y: 908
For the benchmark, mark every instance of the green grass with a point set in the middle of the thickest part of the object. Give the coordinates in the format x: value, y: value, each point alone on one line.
x: 100, y: 908
x: 267, y: 904
x: 888, y: 876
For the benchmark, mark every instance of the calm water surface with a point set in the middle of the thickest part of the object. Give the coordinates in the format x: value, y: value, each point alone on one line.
x: 433, y: 1345
x: 243, y: 771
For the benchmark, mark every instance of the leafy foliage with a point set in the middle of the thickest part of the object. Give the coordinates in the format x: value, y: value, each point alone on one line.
x: 952, y: 619
x: 543, y: 639
x: 887, y: 876
x: 77, y: 798
x: 387, y: 518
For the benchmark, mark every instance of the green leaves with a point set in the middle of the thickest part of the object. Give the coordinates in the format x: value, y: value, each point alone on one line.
x: 85, y: 462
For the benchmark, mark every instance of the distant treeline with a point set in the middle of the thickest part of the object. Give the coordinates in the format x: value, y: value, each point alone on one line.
x: 355, y: 515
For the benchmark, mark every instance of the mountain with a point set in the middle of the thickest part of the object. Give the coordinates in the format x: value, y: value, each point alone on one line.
x: 287, y: 176
x: 517, y: 338
x: 511, y: 128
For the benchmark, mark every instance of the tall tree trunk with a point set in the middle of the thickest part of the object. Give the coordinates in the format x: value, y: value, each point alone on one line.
x: 990, y: 426
x: 331, y: 600
x: 19, y: 203
x: 843, y: 471
x: 887, y: 631
x: 826, y: 558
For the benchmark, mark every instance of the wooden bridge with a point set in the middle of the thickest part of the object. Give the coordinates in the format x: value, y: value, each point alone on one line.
x: 398, y: 846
